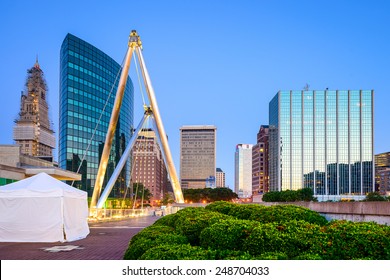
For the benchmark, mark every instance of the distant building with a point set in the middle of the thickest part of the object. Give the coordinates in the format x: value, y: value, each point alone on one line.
x: 384, y: 181
x: 220, y: 178
x: 197, y: 155
x: 148, y: 164
x: 87, y: 78
x: 322, y: 140
x: 243, y: 170
x: 260, y: 180
x: 32, y: 131
x: 382, y: 162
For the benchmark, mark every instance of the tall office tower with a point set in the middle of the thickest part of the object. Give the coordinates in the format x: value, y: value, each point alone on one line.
x: 220, y: 183
x: 382, y: 162
x: 260, y: 181
x: 33, y: 130
x: 88, y: 84
x: 197, y: 156
x: 243, y: 170
x: 322, y: 140
x: 148, y: 165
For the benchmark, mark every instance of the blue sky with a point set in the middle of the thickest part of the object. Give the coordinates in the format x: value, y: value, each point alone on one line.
x: 211, y: 62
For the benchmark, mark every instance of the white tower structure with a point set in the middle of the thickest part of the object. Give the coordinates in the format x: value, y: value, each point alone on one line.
x: 150, y: 112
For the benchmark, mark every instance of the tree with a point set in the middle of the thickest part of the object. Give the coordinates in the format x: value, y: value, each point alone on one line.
x: 209, y: 195
x: 141, y: 192
x: 167, y: 199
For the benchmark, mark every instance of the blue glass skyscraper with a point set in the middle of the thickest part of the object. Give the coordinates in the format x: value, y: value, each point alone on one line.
x: 322, y: 140
x: 87, y: 77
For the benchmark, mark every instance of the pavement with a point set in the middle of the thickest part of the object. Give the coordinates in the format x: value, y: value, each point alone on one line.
x: 106, y: 241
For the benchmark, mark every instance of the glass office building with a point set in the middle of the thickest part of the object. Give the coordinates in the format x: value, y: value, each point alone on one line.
x: 87, y: 77
x: 322, y: 140
x: 243, y: 170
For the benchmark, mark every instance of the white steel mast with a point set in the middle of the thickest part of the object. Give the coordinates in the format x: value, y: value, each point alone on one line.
x: 134, y: 45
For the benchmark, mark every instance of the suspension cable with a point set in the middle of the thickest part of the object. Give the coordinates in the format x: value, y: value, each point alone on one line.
x: 139, y: 80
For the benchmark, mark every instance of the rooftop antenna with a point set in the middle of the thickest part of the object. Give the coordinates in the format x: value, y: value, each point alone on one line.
x: 306, y: 87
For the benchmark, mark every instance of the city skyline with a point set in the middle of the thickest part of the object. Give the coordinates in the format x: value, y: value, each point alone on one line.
x: 221, y: 70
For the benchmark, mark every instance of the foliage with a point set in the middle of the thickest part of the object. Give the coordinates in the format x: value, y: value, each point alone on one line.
x: 356, y: 240
x: 228, y: 234
x: 142, y: 244
x: 141, y: 192
x: 208, y: 195
x: 221, y: 207
x: 279, y: 213
x: 292, y: 238
x: 152, y: 232
x: 167, y: 199
x: 245, y: 211
x: 228, y: 231
x: 191, y: 225
x: 375, y: 196
x: 305, y: 194
x: 167, y: 220
x: 177, y: 252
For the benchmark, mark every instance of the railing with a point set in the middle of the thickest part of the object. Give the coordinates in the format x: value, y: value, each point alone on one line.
x: 104, y: 214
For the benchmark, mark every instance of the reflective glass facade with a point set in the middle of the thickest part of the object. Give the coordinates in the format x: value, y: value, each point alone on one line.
x: 87, y: 76
x: 243, y: 170
x: 322, y: 140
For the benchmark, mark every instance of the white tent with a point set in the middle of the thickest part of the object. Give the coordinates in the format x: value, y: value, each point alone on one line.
x: 42, y: 209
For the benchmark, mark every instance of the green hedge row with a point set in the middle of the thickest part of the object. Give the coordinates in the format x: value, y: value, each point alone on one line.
x: 227, y: 231
x: 305, y: 194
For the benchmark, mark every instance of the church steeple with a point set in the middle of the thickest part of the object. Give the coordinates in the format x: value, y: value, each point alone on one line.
x: 33, y: 128
x: 36, y: 65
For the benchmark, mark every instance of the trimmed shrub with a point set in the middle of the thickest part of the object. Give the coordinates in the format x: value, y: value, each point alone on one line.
x: 221, y: 207
x: 356, y: 240
x: 167, y: 220
x: 192, y: 225
x: 272, y: 256
x: 375, y: 196
x: 152, y: 232
x: 142, y: 244
x: 245, y: 211
x: 232, y: 255
x: 226, y: 235
x: 177, y: 252
x: 308, y: 256
x: 281, y: 213
x: 292, y: 238
x: 305, y: 194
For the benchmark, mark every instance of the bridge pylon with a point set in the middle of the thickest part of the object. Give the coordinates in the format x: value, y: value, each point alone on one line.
x: 152, y: 112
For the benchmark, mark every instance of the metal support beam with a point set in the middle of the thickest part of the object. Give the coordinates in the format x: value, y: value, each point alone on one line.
x: 134, y: 44
x: 161, y: 131
x: 122, y: 162
x: 134, y: 41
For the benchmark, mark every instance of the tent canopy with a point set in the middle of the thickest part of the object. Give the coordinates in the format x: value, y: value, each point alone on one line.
x: 40, y: 185
x: 42, y: 209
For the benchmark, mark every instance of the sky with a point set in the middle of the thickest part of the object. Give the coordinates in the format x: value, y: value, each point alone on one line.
x: 211, y: 62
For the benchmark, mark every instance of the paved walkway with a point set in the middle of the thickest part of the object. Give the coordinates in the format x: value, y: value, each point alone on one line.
x: 106, y: 241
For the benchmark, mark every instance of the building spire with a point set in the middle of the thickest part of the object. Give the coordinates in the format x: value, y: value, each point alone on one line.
x: 36, y: 65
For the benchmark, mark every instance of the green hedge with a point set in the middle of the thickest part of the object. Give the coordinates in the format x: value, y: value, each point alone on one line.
x: 281, y: 213
x: 191, y: 226
x: 226, y: 235
x: 142, y: 244
x: 305, y: 194
x: 356, y: 240
x: 227, y: 231
x: 292, y: 238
